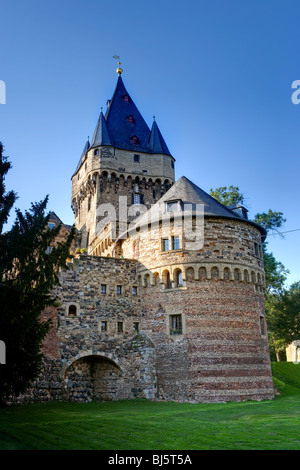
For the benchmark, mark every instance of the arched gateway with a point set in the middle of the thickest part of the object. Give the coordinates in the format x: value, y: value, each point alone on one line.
x: 93, y: 377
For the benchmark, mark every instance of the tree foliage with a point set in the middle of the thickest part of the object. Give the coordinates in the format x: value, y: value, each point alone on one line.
x: 284, y: 318
x: 271, y: 220
x: 28, y: 273
x: 228, y: 196
x: 282, y: 304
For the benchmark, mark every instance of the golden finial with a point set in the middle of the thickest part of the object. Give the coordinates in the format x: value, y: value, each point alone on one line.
x: 119, y: 70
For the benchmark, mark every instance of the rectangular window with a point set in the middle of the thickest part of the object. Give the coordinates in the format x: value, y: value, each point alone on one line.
x: 175, y: 243
x: 136, y: 158
x: 262, y: 326
x: 165, y: 244
x: 104, y: 326
x: 136, y: 198
x: 136, y: 327
x: 134, y: 290
x: 257, y: 250
x: 119, y: 290
x: 103, y: 288
x: 120, y: 327
x: 175, y: 325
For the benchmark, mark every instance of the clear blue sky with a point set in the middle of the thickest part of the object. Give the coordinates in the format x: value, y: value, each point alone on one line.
x: 216, y: 74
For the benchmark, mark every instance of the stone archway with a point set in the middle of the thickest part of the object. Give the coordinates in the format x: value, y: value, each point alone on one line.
x: 93, y: 377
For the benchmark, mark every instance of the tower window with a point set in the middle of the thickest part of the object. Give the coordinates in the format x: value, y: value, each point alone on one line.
x: 262, y: 325
x: 136, y: 327
x: 165, y: 244
x: 103, y: 288
x: 134, y: 290
x: 134, y: 140
x: 175, y: 243
x: 120, y: 327
x: 104, y: 326
x: 136, y: 158
x: 96, y: 152
x: 72, y: 311
x: 136, y: 198
x: 125, y: 99
x: 119, y: 290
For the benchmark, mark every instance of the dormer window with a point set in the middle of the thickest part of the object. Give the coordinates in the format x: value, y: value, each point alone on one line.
x: 134, y: 140
x: 130, y: 119
x: 125, y: 99
x: 173, y: 206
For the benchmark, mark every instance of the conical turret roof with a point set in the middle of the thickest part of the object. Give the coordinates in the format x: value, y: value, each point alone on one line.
x: 156, y: 141
x: 101, y: 136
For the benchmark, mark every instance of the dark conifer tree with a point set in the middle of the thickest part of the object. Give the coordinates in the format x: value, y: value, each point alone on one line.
x: 28, y: 273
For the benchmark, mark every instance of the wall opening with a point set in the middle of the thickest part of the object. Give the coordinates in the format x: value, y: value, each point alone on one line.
x: 93, y: 378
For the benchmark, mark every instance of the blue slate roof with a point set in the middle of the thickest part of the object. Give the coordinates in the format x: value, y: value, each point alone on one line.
x: 156, y: 141
x: 189, y: 193
x: 101, y: 136
x: 124, y: 127
x: 121, y: 132
x: 83, y: 155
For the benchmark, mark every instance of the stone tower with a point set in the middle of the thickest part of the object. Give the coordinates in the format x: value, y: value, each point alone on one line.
x: 124, y: 169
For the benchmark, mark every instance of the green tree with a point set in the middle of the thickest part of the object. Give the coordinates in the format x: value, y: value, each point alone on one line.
x: 275, y: 271
x: 285, y: 319
x: 28, y: 273
x: 228, y: 196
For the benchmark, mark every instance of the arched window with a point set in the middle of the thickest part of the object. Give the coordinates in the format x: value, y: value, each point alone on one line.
x: 215, y: 273
x: 226, y: 274
x: 190, y: 275
x: 72, y: 311
x: 202, y: 273
x: 178, y: 278
x: 166, y: 279
x: 146, y: 280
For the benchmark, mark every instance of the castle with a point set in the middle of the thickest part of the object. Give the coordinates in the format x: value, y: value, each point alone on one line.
x: 167, y: 303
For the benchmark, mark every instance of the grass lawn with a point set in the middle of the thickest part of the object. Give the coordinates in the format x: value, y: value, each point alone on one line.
x: 145, y: 425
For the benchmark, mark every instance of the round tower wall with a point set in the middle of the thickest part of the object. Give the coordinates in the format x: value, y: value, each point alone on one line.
x: 204, y: 311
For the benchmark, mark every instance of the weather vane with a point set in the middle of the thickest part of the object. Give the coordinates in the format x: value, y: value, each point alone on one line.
x: 119, y: 70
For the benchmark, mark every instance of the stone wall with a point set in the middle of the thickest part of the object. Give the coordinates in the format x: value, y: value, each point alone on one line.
x: 96, y: 349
